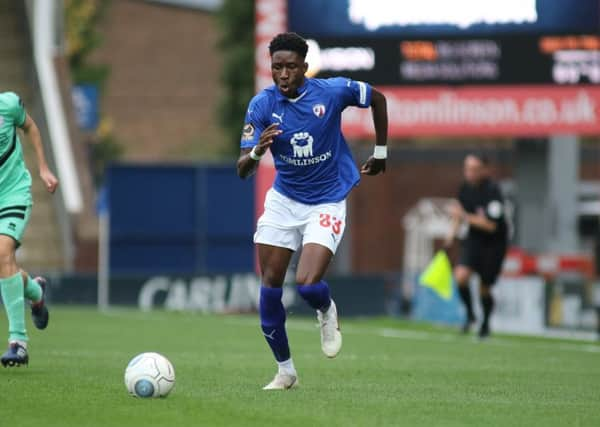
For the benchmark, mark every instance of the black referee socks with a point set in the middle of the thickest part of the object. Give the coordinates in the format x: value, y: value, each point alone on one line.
x: 487, y: 303
x: 465, y: 296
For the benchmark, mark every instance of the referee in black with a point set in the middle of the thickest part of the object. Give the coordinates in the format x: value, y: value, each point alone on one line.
x: 480, y: 208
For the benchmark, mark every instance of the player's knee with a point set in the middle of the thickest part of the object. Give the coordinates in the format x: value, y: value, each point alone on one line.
x: 273, y: 278
x: 307, y: 278
x: 7, y: 259
x: 461, y: 275
x: 7, y: 254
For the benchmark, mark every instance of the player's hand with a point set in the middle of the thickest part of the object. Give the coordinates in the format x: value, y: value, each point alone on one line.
x: 456, y: 210
x: 50, y: 181
x: 373, y: 166
x: 266, y: 139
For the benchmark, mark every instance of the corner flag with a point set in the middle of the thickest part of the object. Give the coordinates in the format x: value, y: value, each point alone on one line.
x: 438, y: 276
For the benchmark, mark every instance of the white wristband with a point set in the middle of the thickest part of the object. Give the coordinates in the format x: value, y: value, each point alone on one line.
x: 253, y: 154
x: 380, y: 152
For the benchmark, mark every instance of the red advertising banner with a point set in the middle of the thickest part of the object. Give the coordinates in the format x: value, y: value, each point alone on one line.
x: 517, y: 111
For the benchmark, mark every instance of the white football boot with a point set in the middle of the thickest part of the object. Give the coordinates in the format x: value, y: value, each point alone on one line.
x: 331, y: 337
x: 282, y: 382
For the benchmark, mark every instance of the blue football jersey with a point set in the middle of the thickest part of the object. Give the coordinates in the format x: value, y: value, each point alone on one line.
x: 313, y: 162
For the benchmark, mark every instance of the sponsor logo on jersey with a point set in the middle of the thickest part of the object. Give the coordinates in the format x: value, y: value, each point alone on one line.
x: 302, y: 142
x: 302, y: 151
x: 306, y: 161
x: 319, y: 110
x: 248, y: 132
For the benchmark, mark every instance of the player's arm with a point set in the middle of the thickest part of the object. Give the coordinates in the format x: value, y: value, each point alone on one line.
x: 494, y: 212
x: 480, y: 222
x: 33, y: 134
x: 249, y: 157
x: 376, y: 163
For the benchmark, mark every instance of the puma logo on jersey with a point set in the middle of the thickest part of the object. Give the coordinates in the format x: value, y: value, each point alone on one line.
x: 278, y: 117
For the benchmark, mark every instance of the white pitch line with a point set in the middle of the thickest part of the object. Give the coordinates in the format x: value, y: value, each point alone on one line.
x: 500, y: 342
x: 411, y: 334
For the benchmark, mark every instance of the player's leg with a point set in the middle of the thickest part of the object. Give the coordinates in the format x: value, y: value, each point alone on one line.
x: 487, y: 306
x: 321, y: 237
x: 462, y: 276
x: 273, y: 264
x: 493, y: 257
x: 312, y: 266
x: 12, y: 290
x: 35, y: 290
x: 313, y: 263
x: 12, y: 227
x: 277, y: 237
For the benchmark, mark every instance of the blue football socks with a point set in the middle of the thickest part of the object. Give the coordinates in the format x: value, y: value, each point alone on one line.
x: 272, y: 320
x: 316, y: 295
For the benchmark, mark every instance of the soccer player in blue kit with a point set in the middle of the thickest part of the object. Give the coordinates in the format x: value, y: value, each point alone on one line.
x: 299, y: 119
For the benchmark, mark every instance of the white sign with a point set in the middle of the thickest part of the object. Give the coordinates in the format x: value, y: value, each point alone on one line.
x: 206, y: 294
x: 519, y: 305
x: 338, y: 58
x: 374, y: 14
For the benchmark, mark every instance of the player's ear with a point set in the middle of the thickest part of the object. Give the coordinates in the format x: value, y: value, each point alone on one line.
x: 305, y: 67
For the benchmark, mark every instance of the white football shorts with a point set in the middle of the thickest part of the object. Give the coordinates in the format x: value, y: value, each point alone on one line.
x: 290, y: 224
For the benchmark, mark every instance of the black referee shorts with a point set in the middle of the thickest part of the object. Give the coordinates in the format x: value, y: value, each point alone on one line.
x: 483, y: 258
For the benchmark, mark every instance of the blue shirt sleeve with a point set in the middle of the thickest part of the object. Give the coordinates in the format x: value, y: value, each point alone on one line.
x: 254, y: 123
x: 352, y: 93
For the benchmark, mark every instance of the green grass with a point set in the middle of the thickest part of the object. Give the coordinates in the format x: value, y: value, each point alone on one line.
x: 389, y: 373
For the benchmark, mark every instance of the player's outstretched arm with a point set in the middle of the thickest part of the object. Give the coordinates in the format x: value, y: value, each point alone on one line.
x: 33, y: 134
x: 376, y: 163
x: 249, y: 158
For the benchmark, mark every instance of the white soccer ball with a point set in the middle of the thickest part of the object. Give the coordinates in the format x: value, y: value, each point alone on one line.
x: 149, y: 375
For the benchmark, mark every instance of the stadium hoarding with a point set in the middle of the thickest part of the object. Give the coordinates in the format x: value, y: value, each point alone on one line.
x: 520, y: 306
x: 500, y: 60
x: 382, y: 18
x: 464, y: 68
x: 227, y: 293
x: 484, y: 111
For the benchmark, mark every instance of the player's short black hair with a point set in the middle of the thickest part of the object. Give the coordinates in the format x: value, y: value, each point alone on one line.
x: 289, y: 41
x: 481, y: 156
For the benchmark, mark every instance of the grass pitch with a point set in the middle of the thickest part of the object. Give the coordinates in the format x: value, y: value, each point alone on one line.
x: 389, y: 373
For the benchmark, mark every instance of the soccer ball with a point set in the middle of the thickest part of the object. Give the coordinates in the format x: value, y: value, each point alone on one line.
x: 149, y: 375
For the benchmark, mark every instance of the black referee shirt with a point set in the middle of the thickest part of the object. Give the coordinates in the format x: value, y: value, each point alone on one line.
x: 486, y: 199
